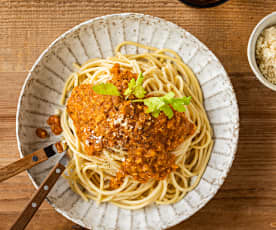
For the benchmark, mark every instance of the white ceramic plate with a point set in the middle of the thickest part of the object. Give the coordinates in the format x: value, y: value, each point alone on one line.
x: 97, y: 38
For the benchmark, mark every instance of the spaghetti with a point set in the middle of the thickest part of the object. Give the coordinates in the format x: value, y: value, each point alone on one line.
x: 91, y: 176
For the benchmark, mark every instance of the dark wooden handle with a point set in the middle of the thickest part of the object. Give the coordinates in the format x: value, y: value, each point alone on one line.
x: 38, y: 198
x: 22, y: 164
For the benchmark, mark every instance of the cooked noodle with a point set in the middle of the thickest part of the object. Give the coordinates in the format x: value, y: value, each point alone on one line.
x: 163, y: 72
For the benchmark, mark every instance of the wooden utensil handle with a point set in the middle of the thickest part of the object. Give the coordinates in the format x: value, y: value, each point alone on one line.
x: 38, y: 198
x: 22, y: 164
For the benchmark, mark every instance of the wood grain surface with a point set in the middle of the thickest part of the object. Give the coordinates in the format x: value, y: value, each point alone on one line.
x: 247, y: 200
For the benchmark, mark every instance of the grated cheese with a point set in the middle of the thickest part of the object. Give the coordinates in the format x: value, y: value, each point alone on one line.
x: 266, y: 53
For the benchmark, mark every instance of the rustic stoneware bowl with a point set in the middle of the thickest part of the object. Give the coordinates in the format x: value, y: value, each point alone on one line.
x: 97, y: 38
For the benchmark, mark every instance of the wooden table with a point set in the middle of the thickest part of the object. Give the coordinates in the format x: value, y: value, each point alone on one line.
x: 247, y: 200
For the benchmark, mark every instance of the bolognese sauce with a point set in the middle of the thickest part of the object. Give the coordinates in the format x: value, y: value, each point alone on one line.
x: 54, y: 122
x: 41, y: 133
x: 59, y: 147
x: 111, y: 121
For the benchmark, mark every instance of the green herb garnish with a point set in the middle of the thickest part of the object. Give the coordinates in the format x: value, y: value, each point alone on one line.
x: 157, y: 104
x: 106, y: 89
x: 136, y: 87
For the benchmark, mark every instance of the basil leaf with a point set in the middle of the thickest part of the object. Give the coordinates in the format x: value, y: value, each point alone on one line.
x: 106, y: 89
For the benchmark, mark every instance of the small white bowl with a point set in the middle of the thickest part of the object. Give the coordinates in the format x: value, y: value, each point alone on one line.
x: 267, y: 21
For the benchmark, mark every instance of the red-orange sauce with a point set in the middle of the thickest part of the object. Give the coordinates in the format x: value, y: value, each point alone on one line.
x: 41, y: 133
x: 111, y: 121
x: 54, y: 122
x: 59, y: 147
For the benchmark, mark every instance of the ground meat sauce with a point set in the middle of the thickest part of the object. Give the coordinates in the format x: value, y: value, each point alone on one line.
x: 59, y: 147
x: 111, y: 121
x: 41, y: 133
x: 54, y: 122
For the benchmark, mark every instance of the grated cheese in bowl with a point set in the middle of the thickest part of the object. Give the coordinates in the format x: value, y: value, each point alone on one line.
x: 266, y: 53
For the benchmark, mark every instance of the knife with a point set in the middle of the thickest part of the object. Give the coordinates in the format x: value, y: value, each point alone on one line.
x: 43, y: 190
x: 27, y: 162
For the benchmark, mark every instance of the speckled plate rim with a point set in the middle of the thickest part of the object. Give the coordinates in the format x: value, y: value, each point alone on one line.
x: 204, y: 201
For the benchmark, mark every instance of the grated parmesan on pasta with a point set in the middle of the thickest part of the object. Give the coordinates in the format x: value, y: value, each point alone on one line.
x: 266, y: 53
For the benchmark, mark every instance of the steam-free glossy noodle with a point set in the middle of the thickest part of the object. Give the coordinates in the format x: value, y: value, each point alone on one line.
x: 112, y: 159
